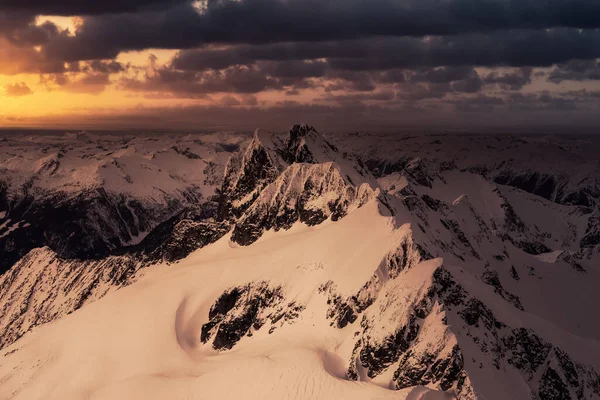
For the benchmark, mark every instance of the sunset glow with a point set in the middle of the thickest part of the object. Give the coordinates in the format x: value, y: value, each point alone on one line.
x: 205, y: 59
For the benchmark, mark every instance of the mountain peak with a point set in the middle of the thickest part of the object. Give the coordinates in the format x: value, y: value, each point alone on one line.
x: 301, y: 130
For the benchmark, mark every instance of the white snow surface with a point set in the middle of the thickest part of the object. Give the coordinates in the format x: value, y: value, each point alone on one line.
x: 145, y: 166
x: 142, y: 342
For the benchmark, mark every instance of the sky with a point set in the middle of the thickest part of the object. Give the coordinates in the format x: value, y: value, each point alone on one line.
x: 336, y: 64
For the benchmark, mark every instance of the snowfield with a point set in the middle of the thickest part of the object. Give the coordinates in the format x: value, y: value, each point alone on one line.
x: 143, y: 342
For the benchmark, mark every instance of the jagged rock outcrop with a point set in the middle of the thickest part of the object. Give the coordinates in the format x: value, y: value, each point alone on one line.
x: 273, y: 182
x: 176, y: 238
x: 240, y: 311
x: 346, y: 311
x: 268, y: 155
x: 309, y: 193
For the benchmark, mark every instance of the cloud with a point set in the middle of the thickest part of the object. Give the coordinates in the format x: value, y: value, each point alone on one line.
x: 576, y: 70
x: 268, y: 21
x: 17, y: 90
x: 512, y: 80
x: 78, y: 7
x: 464, y: 79
x: 515, y: 48
x: 229, y: 101
x: 80, y: 78
x: 245, y: 80
x: 16, y: 60
x: 367, y: 56
x: 181, y: 26
x: 93, y: 83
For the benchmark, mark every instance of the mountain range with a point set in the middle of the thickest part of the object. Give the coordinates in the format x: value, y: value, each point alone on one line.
x: 299, y: 265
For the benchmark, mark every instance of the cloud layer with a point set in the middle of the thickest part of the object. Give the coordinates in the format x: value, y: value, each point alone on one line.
x: 437, y: 56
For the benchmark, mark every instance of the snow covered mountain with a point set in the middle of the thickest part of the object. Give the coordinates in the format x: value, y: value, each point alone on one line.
x: 85, y: 195
x: 380, y: 267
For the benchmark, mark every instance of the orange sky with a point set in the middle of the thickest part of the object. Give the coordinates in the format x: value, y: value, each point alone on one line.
x: 49, y: 101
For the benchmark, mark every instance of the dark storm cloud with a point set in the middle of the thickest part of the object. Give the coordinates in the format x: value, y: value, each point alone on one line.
x: 80, y: 7
x: 514, y: 48
x: 513, y: 80
x: 442, y: 74
x: 576, y: 70
x: 510, y: 48
x: 463, y: 79
x: 350, y: 34
x: 269, y: 21
x: 21, y: 29
x: 106, y: 67
x: 351, y: 81
x: 417, y: 52
x: 15, y: 60
x: 198, y: 85
x: 295, y: 69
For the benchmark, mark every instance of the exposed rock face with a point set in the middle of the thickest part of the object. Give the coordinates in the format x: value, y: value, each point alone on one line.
x: 177, y: 237
x: 246, y: 174
x: 591, y: 239
x: 303, y: 192
x: 242, y: 310
x: 416, y: 349
x: 346, y: 311
x: 425, y: 348
x: 89, y: 225
x: 268, y: 155
x: 42, y: 287
x: 551, y: 168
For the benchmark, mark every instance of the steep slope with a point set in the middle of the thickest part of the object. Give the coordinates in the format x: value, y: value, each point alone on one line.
x: 44, y: 285
x: 165, y: 312
x: 356, y: 305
